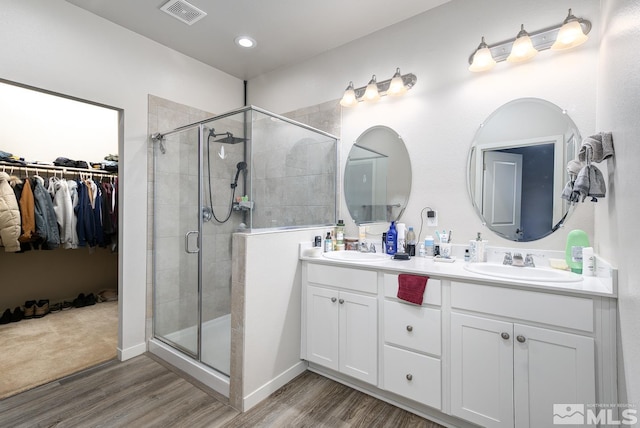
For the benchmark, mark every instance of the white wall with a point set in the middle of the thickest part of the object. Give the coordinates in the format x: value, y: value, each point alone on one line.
x: 438, y: 118
x: 53, y: 45
x: 617, y: 227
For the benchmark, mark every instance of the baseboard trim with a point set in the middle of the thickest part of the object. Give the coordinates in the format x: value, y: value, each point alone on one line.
x: 133, y: 351
x: 273, y: 385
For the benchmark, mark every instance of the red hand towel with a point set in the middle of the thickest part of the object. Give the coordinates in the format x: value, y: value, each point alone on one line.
x: 411, y: 287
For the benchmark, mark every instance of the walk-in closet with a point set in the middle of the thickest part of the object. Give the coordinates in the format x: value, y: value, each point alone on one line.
x: 59, y: 225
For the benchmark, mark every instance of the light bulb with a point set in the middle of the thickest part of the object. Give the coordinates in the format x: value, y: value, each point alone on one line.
x: 371, y: 92
x: 482, y: 58
x: 570, y: 34
x: 396, y: 86
x: 522, y: 49
x: 349, y: 98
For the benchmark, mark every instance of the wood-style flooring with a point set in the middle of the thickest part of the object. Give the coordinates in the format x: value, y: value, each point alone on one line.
x: 142, y: 392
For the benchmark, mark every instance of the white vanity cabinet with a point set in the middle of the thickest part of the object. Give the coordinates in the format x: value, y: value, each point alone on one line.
x: 507, y: 372
x: 342, y: 320
x: 413, y: 344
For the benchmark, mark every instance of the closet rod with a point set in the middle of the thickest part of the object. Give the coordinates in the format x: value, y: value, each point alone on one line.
x: 55, y: 169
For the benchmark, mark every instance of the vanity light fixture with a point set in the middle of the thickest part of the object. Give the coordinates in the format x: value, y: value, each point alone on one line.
x: 522, y: 49
x: 571, y: 33
x: 398, y: 85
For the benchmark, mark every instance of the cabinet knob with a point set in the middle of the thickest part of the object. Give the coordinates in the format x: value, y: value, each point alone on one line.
x: 409, y: 376
x: 341, y: 301
x: 505, y: 336
x: 333, y: 299
x: 520, y: 338
x: 409, y: 328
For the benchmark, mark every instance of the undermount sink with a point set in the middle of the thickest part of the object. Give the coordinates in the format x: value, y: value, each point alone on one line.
x: 356, y: 256
x: 523, y: 273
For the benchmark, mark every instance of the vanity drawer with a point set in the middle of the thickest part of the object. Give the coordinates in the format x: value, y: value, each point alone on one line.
x: 412, y: 376
x: 413, y: 327
x: 365, y: 281
x: 554, y: 309
x: 432, y: 294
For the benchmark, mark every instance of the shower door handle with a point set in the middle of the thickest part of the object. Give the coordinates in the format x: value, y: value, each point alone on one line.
x: 188, y: 242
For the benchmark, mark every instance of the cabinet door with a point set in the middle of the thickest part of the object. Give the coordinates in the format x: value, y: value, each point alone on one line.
x: 482, y: 370
x: 550, y: 367
x: 359, y: 337
x: 322, y: 326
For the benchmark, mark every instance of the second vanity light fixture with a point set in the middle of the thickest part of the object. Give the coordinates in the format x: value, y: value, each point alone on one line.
x: 396, y: 86
x: 571, y: 33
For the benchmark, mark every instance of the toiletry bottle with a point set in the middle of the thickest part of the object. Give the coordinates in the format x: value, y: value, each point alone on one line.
x: 401, y: 242
x: 391, y: 246
x: 588, y: 262
x: 328, y: 243
x: 428, y: 246
x: 340, y: 233
x: 384, y: 241
x: 576, y: 241
x: 411, y: 242
x: 362, y: 236
x: 421, y: 251
x: 467, y: 255
x: 317, y: 241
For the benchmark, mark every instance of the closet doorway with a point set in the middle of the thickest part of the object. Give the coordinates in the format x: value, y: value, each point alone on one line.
x: 59, y: 276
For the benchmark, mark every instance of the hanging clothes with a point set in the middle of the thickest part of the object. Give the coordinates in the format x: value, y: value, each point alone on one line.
x: 46, y: 222
x: 63, y: 208
x: 72, y: 185
x: 89, y: 215
x: 10, y: 221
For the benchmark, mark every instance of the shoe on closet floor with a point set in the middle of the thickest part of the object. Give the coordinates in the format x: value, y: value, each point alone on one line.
x: 78, y: 302
x: 29, y: 309
x: 6, y: 317
x: 18, y: 314
x: 90, y: 300
x: 42, y: 308
x: 56, y: 307
x: 66, y: 305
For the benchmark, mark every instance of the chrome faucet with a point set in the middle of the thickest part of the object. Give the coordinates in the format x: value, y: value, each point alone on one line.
x: 371, y: 248
x: 528, y: 261
x: 517, y: 260
x: 508, y: 260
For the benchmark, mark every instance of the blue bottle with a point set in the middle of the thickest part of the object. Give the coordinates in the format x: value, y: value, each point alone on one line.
x: 391, y: 246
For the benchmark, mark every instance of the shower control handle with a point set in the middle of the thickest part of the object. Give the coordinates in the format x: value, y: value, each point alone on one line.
x: 187, y: 242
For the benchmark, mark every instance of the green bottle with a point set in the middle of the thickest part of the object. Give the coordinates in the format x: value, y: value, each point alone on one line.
x: 576, y: 241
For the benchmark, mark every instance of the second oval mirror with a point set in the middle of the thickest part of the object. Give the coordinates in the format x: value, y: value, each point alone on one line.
x: 377, y: 176
x: 517, y: 168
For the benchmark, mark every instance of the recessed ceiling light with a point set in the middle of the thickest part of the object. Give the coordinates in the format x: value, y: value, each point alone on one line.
x: 245, y: 41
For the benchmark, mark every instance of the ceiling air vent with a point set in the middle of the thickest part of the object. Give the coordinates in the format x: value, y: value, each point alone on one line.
x: 185, y: 12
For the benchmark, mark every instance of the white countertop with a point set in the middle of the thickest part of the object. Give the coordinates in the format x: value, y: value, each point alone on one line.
x: 602, y: 285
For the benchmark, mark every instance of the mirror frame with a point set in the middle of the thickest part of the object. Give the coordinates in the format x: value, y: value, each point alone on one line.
x: 398, y: 176
x: 561, y: 208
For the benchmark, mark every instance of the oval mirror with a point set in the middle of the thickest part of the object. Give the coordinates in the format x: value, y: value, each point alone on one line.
x: 517, y: 168
x: 377, y: 176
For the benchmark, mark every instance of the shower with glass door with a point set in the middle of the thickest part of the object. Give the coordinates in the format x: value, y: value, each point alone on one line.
x: 199, y: 171
x: 230, y: 173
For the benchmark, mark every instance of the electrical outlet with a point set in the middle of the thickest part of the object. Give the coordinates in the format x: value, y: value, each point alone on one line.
x: 432, y: 218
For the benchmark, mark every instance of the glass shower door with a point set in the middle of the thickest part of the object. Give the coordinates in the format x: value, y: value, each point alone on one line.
x: 176, y: 240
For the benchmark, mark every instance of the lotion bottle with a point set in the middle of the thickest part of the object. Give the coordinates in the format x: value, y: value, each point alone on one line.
x: 391, y: 244
x: 576, y: 241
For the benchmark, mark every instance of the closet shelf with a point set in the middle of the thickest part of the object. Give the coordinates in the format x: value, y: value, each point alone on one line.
x: 52, y: 169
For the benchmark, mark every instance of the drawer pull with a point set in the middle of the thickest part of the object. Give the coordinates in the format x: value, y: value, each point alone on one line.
x: 409, y: 376
x: 341, y: 301
x: 505, y: 336
x: 409, y: 328
x: 333, y: 299
x: 520, y: 338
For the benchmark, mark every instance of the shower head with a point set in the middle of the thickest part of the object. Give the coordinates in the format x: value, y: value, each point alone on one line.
x: 241, y: 166
x: 229, y: 138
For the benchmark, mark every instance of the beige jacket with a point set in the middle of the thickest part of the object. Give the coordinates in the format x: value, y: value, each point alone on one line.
x: 9, y: 216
